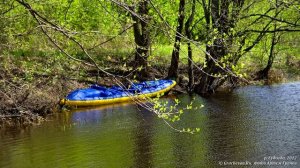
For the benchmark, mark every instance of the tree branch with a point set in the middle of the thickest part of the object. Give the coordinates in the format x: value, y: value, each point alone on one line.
x: 275, y: 19
x: 275, y: 30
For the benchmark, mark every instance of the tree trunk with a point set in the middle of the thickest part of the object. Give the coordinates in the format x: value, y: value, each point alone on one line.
x: 264, y: 74
x: 173, y: 70
x: 141, y: 32
x: 208, y: 82
x: 213, y: 75
x: 215, y: 13
x: 188, y: 32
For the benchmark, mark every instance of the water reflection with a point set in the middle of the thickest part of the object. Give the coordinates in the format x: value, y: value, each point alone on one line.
x: 93, y: 116
x: 143, y: 139
x: 228, y: 128
x: 183, y: 148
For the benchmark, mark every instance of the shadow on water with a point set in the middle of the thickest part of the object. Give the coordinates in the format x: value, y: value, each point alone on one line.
x: 143, y: 139
x: 228, y: 128
x: 182, y: 144
x: 248, y: 124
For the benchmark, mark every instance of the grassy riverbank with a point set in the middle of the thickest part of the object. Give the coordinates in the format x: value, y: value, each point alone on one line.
x: 30, y: 87
x: 32, y: 82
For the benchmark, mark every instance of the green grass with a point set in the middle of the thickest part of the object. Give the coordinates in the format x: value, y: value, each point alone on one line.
x: 39, y: 56
x: 161, y: 54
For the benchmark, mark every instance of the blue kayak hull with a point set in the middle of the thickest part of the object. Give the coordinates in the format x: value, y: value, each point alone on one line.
x: 99, y: 95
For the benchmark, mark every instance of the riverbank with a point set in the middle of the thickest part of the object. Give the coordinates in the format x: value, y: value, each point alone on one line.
x: 31, y: 87
x: 248, y: 125
x: 29, y: 91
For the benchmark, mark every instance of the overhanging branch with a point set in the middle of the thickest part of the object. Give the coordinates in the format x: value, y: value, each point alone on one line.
x: 272, y: 31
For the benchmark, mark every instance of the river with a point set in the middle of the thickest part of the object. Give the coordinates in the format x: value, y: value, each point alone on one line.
x: 251, y: 125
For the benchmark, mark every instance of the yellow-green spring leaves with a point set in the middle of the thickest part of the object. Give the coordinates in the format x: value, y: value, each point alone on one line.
x: 172, y: 111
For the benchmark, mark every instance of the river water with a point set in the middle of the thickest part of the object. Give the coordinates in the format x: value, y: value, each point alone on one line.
x: 251, y: 125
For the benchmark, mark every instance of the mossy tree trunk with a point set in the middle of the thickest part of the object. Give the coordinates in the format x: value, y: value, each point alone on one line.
x: 173, y: 69
x: 188, y: 32
x: 221, y: 22
x: 141, y: 32
x: 264, y: 74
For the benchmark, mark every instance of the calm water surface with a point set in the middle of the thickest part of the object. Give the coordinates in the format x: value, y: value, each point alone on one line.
x: 249, y: 124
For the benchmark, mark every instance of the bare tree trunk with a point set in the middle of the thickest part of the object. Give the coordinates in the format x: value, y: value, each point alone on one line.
x: 208, y: 83
x: 188, y: 32
x: 141, y: 32
x: 215, y: 13
x: 173, y: 69
x: 264, y: 74
x: 207, y: 15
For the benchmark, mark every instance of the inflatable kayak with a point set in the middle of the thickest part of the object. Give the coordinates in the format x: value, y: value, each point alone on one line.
x: 100, y: 95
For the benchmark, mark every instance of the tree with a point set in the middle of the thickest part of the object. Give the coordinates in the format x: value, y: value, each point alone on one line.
x: 264, y: 73
x: 222, y: 23
x: 141, y: 30
x: 233, y: 31
x: 173, y: 69
x: 188, y: 32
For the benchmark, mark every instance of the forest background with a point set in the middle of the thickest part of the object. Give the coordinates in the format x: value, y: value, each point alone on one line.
x: 49, y: 47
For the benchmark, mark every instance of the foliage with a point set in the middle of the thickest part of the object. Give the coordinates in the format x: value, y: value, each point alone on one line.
x: 100, y: 32
x: 171, y: 112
